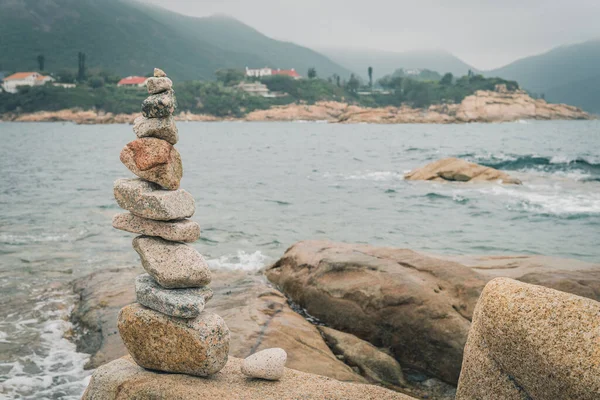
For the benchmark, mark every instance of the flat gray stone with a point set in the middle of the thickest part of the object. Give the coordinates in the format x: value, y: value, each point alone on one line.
x: 159, y: 105
x: 160, y: 128
x: 182, y: 303
x: 184, y: 230
x: 148, y: 200
x: 173, y: 265
x: 158, y: 85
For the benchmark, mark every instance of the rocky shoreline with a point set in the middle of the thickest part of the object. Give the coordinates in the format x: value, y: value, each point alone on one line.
x: 443, y: 296
x: 482, y: 106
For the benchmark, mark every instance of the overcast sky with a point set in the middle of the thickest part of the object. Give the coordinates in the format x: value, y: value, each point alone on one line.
x: 484, y: 33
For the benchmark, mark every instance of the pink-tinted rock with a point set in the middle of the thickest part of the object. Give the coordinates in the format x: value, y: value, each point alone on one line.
x: 154, y: 160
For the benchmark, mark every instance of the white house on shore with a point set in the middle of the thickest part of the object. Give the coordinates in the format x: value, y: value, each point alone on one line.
x: 258, y: 72
x: 12, y: 82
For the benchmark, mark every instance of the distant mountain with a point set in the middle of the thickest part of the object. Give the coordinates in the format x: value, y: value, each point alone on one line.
x: 131, y: 38
x: 385, y: 63
x: 566, y: 74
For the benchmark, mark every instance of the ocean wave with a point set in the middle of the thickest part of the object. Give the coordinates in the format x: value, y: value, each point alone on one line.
x: 241, y: 260
x: 376, y: 176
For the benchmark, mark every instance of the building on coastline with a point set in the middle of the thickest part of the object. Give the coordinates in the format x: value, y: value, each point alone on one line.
x: 258, y: 89
x: 266, y: 71
x: 133, y: 81
x: 12, y: 82
x: 65, y: 85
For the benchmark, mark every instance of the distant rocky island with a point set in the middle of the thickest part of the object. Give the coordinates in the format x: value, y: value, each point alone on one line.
x: 483, y: 106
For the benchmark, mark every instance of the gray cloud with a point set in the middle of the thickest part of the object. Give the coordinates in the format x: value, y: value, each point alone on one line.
x: 485, y: 33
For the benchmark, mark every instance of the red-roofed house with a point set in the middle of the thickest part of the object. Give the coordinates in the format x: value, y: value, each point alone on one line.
x: 287, y: 72
x: 12, y: 82
x: 133, y: 81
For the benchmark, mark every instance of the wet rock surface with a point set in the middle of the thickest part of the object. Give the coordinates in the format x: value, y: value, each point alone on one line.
x: 457, y: 170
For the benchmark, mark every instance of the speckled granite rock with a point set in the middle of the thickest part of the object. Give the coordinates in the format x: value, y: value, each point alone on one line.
x: 122, y: 379
x: 159, y: 73
x: 160, y: 128
x: 266, y: 364
x: 159, y: 342
x: 148, y: 200
x: 173, y: 265
x: 184, y: 230
x: 154, y: 160
x: 159, y: 105
x: 530, y: 342
x: 181, y: 303
x: 159, y: 85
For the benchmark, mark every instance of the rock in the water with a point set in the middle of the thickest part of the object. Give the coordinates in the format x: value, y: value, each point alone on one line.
x: 173, y: 265
x: 373, y: 363
x: 160, y: 128
x: 457, y: 170
x: 159, y: 85
x: 266, y: 364
x: 159, y: 342
x: 148, y: 200
x: 122, y: 379
x: 154, y: 160
x: 184, y: 230
x: 530, y: 342
x: 159, y: 73
x: 159, y: 105
x: 182, y: 303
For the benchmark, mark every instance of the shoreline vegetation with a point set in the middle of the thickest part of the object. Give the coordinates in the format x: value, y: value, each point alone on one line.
x: 394, y: 99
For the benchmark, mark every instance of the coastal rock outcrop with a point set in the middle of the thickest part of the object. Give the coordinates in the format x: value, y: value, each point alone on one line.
x: 530, y: 342
x: 418, y: 306
x: 122, y: 379
x: 457, y: 170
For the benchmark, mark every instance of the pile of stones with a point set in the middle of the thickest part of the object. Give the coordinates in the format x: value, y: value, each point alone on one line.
x: 167, y: 329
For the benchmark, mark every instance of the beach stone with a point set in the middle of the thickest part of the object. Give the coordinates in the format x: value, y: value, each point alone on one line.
x: 173, y: 265
x: 159, y: 73
x: 158, y: 85
x: 148, y: 200
x: 182, y: 303
x: 184, y: 230
x: 456, y: 170
x: 154, y: 160
x: 160, y: 342
x: 266, y: 364
x: 160, y: 128
x: 160, y: 105
x: 531, y: 342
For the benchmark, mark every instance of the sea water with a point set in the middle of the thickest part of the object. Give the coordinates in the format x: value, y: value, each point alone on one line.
x: 260, y: 187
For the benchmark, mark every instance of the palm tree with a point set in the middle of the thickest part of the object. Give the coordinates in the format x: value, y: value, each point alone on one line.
x: 370, y: 71
x: 41, y: 60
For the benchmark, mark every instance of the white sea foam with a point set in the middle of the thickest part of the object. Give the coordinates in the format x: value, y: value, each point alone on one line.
x: 241, y: 260
x: 375, y: 176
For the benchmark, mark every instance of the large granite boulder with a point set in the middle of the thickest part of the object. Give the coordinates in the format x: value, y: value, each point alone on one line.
x: 257, y: 315
x: 457, y: 170
x: 530, y: 342
x: 122, y: 379
x: 418, y: 306
x: 156, y: 341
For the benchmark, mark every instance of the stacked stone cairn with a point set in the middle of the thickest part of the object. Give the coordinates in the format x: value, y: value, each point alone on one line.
x: 167, y: 329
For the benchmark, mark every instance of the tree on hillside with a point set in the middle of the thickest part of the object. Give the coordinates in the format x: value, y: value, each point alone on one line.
x: 81, y: 67
x: 41, y: 61
x: 353, y: 83
x: 312, y: 73
x: 447, y: 79
x: 230, y: 76
x: 370, y: 72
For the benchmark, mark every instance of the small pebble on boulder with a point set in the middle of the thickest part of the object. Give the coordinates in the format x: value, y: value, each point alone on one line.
x: 154, y: 160
x: 184, y: 230
x: 159, y: 342
x: 159, y: 73
x: 182, y: 303
x: 158, y: 85
x: 266, y: 364
x: 159, y: 105
x: 160, y: 128
x: 148, y: 200
x: 173, y: 265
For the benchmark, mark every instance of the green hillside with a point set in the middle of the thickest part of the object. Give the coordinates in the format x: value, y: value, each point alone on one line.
x: 385, y: 62
x: 131, y: 38
x: 566, y: 74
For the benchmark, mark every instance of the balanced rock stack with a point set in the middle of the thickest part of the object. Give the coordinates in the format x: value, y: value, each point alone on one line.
x: 167, y: 329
